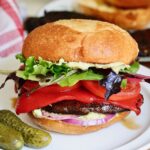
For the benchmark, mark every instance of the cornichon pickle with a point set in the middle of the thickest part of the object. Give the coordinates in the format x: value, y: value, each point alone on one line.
x: 10, y: 139
x: 32, y: 137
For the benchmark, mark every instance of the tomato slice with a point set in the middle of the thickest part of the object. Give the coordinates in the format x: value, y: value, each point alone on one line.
x: 131, y: 91
x: 94, y: 87
x: 29, y: 85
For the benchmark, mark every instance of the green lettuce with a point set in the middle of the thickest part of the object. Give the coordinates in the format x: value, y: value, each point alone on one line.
x: 21, y: 58
x: 49, y: 73
x: 132, y: 69
x: 46, y: 72
x: 40, y: 67
x: 76, y: 77
x: 124, y: 83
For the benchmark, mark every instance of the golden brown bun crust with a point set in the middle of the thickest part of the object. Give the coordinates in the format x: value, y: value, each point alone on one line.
x: 129, y: 3
x: 126, y: 18
x: 81, y: 40
x: 65, y: 128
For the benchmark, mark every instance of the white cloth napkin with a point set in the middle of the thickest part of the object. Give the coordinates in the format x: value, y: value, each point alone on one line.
x: 11, y: 28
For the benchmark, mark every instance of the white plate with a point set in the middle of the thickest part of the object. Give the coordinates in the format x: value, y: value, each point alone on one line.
x: 116, y: 136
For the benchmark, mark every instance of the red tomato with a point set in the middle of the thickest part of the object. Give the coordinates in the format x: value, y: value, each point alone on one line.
x: 29, y: 85
x: 94, y: 87
x: 131, y: 91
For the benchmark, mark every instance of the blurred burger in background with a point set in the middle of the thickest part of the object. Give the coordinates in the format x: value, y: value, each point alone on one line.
x: 128, y: 14
x: 129, y: 3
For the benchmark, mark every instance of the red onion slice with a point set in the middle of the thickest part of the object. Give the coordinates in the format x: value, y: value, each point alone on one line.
x: 74, y: 119
x: 80, y: 122
x: 54, y: 116
x: 138, y: 77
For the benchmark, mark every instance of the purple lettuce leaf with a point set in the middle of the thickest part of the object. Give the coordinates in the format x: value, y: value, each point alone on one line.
x: 139, y: 77
x: 112, y: 83
x: 18, y: 81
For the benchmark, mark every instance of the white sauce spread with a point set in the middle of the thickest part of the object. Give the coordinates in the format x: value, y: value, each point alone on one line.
x: 116, y: 67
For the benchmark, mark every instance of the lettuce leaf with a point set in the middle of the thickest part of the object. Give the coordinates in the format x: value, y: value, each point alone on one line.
x: 21, y: 58
x: 76, y: 77
x: 33, y: 68
x: 112, y: 84
x: 46, y: 72
x: 124, y: 83
x: 132, y: 69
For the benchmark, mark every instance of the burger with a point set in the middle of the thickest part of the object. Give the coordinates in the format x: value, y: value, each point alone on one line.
x: 77, y: 76
x: 129, y: 3
x: 128, y: 14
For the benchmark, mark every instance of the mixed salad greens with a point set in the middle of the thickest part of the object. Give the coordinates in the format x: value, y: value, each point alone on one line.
x: 47, y: 73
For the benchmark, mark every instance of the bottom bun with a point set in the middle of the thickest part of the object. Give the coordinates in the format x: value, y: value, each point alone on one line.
x: 65, y: 128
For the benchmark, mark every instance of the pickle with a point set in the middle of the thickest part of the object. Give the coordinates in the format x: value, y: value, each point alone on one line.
x: 10, y: 139
x: 32, y: 137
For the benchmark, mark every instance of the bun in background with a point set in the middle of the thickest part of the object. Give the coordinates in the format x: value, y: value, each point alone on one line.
x: 129, y: 3
x: 126, y: 18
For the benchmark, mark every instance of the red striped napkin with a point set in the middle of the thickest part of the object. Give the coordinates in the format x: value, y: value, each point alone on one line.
x: 11, y: 28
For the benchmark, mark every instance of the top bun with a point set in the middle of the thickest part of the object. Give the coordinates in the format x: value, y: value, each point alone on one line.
x: 129, y: 3
x: 81, y: 40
